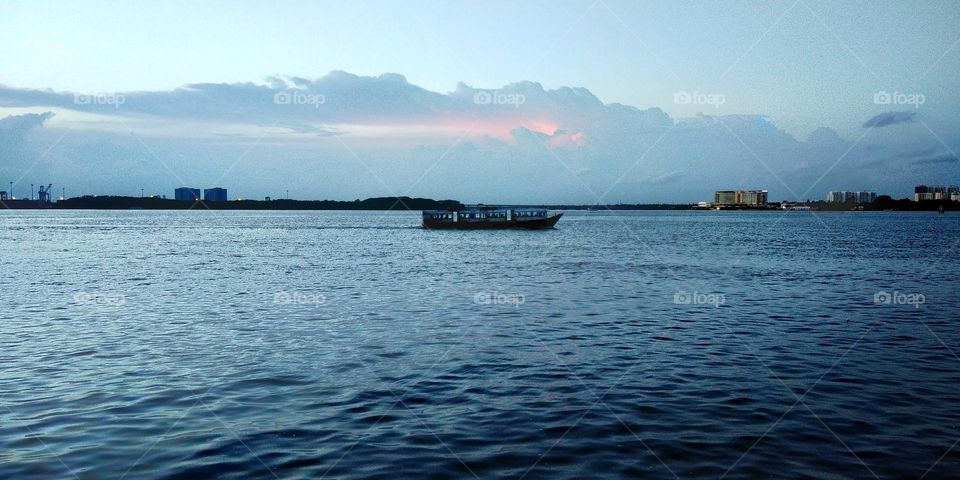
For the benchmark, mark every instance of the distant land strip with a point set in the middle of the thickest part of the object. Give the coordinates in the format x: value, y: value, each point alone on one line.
x: 153, y: 203
x: 113, y: 202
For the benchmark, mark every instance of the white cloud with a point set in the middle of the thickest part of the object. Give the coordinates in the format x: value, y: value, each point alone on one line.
x: 517, y: 143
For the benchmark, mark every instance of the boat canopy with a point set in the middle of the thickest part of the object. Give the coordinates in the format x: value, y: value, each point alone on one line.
x: 486, y: 212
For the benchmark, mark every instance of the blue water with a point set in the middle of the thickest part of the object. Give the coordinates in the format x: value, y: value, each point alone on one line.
x: 356, y: 345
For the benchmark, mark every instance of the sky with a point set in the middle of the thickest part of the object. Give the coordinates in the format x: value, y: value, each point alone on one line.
x: 495, y: 102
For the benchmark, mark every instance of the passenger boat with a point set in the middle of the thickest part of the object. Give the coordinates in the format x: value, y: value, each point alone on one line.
x: 489, y: 217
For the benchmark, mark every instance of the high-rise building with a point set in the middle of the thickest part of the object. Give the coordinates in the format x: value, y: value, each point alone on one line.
x: 186, y: 194
x: 215, y: 194
x: 935, y: 192
x: 740, y: 197
x: 752, y: 197
x: 846, y: 196
x: 725, y: 197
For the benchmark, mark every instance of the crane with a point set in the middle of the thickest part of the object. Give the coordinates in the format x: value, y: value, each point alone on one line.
x: 44, y: 195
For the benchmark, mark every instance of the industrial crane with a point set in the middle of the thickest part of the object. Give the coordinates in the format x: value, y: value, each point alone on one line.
x: 45, y: 195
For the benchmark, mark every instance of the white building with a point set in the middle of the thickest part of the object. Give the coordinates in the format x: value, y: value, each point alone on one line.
x: 835, y: 197
x: 847, y: 196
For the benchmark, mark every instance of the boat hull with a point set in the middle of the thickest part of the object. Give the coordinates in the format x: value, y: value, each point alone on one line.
x: 537, y: 224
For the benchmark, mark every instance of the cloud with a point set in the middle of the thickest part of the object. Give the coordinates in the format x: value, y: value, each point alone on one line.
x: 918, y: 153
x: 18, y: 152
x: 826, y: 137
x: 347, y: 136
x: 18, y: 125
x: 936, y: 160
x: 666, y: 178
x: 873, y: 163
x: 889, y: 118
x: 341, y: 98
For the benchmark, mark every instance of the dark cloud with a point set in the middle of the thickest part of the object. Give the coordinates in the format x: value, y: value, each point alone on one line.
x: 889, y: 118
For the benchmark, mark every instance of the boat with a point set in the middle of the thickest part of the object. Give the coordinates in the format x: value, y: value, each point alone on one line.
x: 484, y: 217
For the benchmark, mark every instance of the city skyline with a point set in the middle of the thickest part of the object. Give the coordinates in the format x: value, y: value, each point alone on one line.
x: 930, y: 191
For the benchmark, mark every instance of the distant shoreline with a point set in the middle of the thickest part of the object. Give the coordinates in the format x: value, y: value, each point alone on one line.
x: 111, y: 202
x: 153, y: 203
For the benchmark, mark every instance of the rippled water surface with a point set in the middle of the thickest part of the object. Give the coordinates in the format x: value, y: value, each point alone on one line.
x: 357, y: 345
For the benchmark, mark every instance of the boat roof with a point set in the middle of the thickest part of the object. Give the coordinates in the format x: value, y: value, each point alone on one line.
x: 489, y: 208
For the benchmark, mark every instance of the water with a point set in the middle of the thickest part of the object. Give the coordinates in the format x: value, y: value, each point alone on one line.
x: 356, y: 345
